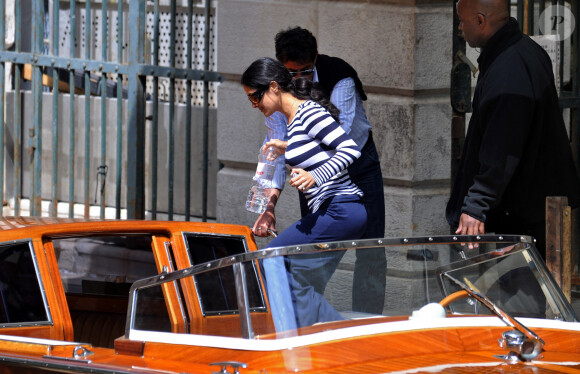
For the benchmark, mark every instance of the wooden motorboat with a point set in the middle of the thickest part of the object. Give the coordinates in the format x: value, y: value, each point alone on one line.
x: 181, y: 297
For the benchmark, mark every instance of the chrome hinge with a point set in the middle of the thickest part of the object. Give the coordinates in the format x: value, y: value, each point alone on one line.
x: 224, y: 364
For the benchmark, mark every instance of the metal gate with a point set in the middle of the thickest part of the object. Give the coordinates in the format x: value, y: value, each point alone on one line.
x: 107, y: 103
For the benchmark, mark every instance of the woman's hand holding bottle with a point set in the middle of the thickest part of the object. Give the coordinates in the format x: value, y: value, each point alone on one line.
x: 277, y: 147
x: 301, y: 179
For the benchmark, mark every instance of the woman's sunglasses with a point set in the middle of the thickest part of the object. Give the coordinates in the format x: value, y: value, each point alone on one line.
x: 256, y: 96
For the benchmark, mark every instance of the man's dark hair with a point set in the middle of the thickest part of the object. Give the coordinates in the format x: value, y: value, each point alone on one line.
x: 295, y: 44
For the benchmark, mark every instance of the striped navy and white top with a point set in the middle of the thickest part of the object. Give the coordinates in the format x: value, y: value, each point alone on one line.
x: 352, y: 117
x: 317, y: 144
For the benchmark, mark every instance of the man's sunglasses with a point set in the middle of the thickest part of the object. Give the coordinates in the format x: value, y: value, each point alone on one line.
x: 293, y: 74
x: 256, y: 96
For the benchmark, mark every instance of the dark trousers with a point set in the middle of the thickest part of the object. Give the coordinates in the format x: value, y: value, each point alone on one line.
x: 338, y: 218
x: 370, y: 269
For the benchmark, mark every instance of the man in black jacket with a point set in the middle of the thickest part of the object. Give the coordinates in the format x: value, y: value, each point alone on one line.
x: 517, y: 151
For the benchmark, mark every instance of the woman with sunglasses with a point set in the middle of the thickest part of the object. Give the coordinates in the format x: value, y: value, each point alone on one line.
x: 318, y: 152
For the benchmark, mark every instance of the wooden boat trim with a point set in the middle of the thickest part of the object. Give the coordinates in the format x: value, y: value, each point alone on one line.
x: 24, y: 339
x: 471, y: 365
x: 62, y: 366
x: 338, y: 334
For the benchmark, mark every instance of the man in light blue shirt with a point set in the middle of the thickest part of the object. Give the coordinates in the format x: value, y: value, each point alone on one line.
x: 297, y: 49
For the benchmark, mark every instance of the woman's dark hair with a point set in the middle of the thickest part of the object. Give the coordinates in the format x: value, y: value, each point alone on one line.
x: 265, y: 70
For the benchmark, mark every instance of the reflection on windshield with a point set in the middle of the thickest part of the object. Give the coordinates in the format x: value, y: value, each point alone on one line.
x: 510, y: 274
x: 512, y: 282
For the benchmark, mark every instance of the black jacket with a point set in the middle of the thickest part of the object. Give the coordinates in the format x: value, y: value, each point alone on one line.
x: 516, y: 151
x: 332, y: 70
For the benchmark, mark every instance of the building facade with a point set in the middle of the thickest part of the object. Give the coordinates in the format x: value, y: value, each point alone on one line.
x: 402, y: 50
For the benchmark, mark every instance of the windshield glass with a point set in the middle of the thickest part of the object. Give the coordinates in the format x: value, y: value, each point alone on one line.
x: 313, y: 288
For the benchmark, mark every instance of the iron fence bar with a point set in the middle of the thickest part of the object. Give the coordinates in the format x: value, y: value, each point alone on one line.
x: 87, y: 75
x: 561, y: 60
x: 205, y: 113
x: 155, y: 119
x: 17, y: 111
x: 104, y: 44
x: 71, y: 81
x: 171, y: 146
x: 119, y: 153
x: 200, y: 75
x: 188, y: 111
x: 2, y: 98
x: 35, y: 141
x: 520, y: 13
x: 575, y: 55
x: 109, y: 67
x: 55, y: 111
x: 568, y: 100
x: 575, y: 128
x: 531, y: 17
x: 17, y: 120
x: 135, y: 137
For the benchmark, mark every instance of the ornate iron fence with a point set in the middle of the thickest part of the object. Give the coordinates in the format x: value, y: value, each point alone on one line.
x: 101, y: 86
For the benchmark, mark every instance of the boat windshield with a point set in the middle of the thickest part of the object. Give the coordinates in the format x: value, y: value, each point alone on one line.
x: 298, y: 290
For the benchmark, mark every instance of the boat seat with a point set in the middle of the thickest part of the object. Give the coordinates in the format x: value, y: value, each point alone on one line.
x: 99, y: 329
x: 97, y: 319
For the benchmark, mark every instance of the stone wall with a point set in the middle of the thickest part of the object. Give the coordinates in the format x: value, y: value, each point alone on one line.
x: 402, y: 52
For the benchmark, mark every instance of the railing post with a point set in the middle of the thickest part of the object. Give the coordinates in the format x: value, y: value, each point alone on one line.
x: 36, y: 134
x: 559, y: 241
x: 136, y: 108
x: 2, y: 99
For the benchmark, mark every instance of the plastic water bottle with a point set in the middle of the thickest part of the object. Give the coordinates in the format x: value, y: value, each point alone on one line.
x: 258, y: 196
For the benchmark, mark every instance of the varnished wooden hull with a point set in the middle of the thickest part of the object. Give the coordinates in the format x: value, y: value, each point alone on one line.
x: 199, y: 342
x: 437, y: 350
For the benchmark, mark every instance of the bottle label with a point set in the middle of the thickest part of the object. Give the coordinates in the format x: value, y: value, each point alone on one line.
x: 264, y: 171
